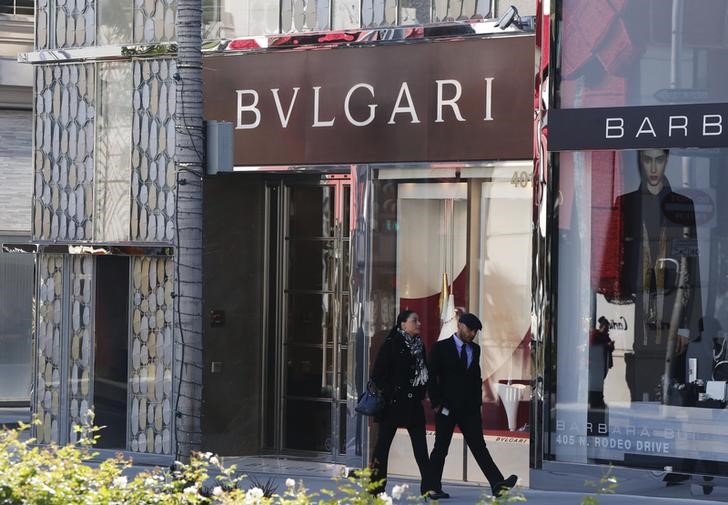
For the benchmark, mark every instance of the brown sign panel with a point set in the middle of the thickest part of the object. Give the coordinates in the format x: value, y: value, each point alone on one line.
x: 455, y: 100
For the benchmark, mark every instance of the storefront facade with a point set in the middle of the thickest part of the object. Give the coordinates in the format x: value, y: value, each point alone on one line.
x: 378, y: 170
x: 630, y: 246
x: 368, y: 178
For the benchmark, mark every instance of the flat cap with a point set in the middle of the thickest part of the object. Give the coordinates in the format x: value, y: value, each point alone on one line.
x: 471, y: 321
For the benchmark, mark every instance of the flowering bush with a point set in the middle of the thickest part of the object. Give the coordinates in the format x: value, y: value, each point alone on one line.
x: 52, y: 475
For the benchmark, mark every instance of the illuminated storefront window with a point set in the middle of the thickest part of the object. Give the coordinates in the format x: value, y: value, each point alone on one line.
x: 641, y: 329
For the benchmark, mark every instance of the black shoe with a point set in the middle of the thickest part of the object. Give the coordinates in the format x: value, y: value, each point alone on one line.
x: 504, y: 485
x: 674, y: 479
x: 437, y: 495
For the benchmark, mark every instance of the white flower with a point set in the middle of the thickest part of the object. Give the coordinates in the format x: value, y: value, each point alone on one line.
x: 214, y: 461
x: 385, y: 498
x: 253, y: 495
x: 216, y: 491
x: 206, y: 455
x: 290, y: 482
x: 398, y: 491
x: 119, y: 481
x: 191, y: 490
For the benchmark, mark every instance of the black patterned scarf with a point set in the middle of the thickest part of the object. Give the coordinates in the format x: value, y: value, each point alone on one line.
x: 416, y: 348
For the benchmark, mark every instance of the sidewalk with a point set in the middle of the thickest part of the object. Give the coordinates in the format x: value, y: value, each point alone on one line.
x: 317, y: 476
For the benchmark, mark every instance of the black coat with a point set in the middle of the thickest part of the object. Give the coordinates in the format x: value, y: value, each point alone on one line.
x: 393, y: 371
x: 676, y: 215
x: 451, y: 385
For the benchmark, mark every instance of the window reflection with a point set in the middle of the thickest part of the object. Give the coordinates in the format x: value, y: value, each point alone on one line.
x: 227, y: 19
x: 643, y: 52
x: 114, y: 22
x: 16, y: 295
x: 112, y: 185
x: 642, y: 317
x: 441, y: 245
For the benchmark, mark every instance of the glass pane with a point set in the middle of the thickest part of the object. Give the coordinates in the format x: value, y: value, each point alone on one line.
x: 115, y: 21
x: 342, y: 429
x: 305, y: 374
x: 431, y: 250
x: 345, y: 14
x: 24, y: 7
x: 412, y: 12
x: 643, y: 311
x: 643, y: 52
x: 16, y: 297
x: 308, y: 425
x: 345, y: 320
x: 311, y: 265
x: 343, y: 360
x: 309, y: 318
x: 440, y: 246
x: 304, y: 15
x: 311, y: 211
x: 227, y: 19
x: 376, y: 13
x: 113, y: 165
x: 346, y: 214
x: 111, y: 356
x: 346, y: 266
x: 504, y: 293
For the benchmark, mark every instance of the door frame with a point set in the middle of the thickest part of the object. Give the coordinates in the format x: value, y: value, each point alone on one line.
x: 275, y: 309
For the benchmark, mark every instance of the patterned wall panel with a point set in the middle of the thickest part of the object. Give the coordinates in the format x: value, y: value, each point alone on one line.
x: 64, y: 151
x: 446, y: 10
x: 150, y: 418
x: 305, y: 15
x: 377, y: 13
x: 81, y: 362
x: 153, y: 138
x: 41, y: 23
x: 75, y: 23
x: 154, y: 21
x: 48, y: 347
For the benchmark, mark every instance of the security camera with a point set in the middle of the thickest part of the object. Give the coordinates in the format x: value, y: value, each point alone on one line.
x: 507, y: 19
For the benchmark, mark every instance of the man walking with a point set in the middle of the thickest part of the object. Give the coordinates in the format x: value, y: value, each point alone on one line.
x: 456, y: 394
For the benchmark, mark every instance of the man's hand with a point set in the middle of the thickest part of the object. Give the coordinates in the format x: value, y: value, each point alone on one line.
x: 437, y: 409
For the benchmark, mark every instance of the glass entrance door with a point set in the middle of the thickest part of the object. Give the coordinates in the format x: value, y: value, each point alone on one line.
x: 308, y: 345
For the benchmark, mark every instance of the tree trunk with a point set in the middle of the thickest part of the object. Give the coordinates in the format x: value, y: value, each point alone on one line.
x: 189, y: 158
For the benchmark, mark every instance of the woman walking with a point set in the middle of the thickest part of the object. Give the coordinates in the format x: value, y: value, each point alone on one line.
x: 400, y: 372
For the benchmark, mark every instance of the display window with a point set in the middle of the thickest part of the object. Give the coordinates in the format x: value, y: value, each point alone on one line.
x: 640, y: 343
x: 452, y: 240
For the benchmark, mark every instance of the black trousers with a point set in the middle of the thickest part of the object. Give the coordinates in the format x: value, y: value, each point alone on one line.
x: 380, y: 457
x: 470, y: 425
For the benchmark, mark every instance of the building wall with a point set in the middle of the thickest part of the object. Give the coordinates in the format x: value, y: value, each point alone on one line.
x: 103, y: 166
x: 103, y: 172
x: 233, y: 261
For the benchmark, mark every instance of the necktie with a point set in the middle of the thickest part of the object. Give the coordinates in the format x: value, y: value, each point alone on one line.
x: 464, y: 355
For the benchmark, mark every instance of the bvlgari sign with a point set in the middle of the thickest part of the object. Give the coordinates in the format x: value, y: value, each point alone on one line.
x: 454, y: 100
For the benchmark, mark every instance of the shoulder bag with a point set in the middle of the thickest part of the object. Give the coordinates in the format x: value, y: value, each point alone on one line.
x: 371, y: 402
